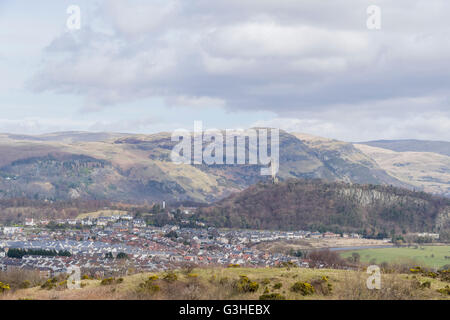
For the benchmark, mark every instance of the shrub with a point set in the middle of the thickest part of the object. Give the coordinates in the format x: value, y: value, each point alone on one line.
x: 322, y: 285
x: 327, y: 257
x: 415, y: 270
x: 231, y: 265
x: 149, y: 286
x: 304, y: 288
x: 25, y: 285
x: 244, y: 285
x: 265, y: 282
x: 107, y: 281
x: 62, y: 285
x: 192, y: 275
x: 444, y: 275
x: 445, y: 290
x: 272, y: 296
x: 426, y: 284
x: 153, y: 278
x: 49, y: 284
x: 277, y: 286
x: 170, y: 276
x: 4, y: 287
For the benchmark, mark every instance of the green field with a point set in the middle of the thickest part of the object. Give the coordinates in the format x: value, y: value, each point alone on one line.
x: 430, y: 256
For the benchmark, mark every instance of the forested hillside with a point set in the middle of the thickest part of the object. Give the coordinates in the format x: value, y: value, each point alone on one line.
x: 339, y: 207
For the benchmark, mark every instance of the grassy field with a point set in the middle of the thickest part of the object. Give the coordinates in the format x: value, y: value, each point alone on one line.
x: 430, y: 256
x: 219, y: 284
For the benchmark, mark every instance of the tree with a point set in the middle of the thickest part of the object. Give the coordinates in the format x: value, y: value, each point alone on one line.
x: 122, y: 255
x: 356, y: 257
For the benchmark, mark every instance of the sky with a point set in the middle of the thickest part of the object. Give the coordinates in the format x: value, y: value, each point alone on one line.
x: 159, y: 65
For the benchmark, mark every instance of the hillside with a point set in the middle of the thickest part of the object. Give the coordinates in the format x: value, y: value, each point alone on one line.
x: 427, y: 171
x: 340, y: 207
x: 220, y: 284
x: 137, y: 168
x: 440, y: 147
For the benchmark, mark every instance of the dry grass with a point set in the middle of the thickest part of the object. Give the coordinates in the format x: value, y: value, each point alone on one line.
x: 217, y: 284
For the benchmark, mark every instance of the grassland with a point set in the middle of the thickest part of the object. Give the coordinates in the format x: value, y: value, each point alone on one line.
x: 430, y: 256
x: 219, y: 283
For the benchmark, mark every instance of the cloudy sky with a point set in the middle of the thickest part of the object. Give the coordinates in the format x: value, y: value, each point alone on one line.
x: 157, y: 65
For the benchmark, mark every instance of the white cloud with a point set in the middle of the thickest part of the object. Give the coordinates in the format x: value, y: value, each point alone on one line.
x: 293, y: 58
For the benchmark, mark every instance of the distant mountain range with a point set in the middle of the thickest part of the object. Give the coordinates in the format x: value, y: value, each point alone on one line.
x: 440, y: 147
x: 137, y: 168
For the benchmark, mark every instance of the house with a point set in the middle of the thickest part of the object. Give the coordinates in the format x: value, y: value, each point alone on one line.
x: 12, y: 230
x: 30, y: 222
x: 330, y: 235
x: 138, y: 223
x: 315, y: 235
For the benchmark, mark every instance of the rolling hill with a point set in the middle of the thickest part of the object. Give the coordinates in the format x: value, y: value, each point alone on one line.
x: 137, y: 168
x: 299, y: 204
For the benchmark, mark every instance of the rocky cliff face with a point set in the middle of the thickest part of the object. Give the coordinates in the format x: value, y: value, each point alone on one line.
x: 367, y: 197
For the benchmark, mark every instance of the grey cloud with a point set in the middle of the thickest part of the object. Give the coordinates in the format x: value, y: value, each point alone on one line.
x: 288, y: 57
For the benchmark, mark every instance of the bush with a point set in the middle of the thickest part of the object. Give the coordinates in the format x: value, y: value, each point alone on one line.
x: 4, y: 287
x: 444, y: 275
x: 244, y: 285
x: 110, y: 281
x: 322, y: 285
x: 25, y: 285
x: 149, y: 286
x: 426, y: 284
x: 277, y: 286
x: 327, y: 257
x: 170, y: 276
x: 445, y: 290
x: 122, y: 255
x: 49, y: 284
x: 415, y: 270
x: 272, y: 296
x: 304, y: 288
x: 233, y: 266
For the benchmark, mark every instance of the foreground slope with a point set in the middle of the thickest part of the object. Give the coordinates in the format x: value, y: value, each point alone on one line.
x: 220, y: 284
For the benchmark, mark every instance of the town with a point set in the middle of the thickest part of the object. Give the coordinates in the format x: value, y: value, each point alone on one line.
x: 120, y: 244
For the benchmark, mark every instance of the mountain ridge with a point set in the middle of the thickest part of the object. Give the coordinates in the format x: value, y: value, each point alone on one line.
x: 137, y: 167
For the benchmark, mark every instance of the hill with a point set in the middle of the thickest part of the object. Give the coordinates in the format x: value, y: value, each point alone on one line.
x: 313, y: 205
x: 137, y: 168
x: 427, y: 171
x: 220, y: 284
x: 440, y: 147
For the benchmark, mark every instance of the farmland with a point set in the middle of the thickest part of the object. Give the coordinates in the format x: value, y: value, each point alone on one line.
x: 429, y: 256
